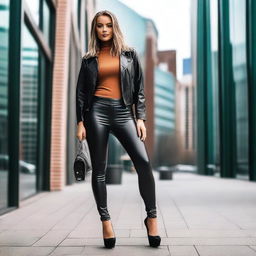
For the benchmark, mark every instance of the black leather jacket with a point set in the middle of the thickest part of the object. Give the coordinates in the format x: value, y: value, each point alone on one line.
x: 132, y: 85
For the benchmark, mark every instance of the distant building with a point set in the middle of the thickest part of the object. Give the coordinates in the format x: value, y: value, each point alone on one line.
x: 185, y: 113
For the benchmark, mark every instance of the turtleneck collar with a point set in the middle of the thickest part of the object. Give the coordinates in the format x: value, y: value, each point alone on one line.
x: 106, y: 44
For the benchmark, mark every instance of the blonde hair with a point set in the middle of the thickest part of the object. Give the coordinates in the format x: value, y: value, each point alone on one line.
x: 118, y: 40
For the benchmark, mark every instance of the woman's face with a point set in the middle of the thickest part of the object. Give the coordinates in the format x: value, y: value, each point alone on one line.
x: 104, y: 28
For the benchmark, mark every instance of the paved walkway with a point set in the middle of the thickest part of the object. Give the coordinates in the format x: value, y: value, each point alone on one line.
x: 198, y: 215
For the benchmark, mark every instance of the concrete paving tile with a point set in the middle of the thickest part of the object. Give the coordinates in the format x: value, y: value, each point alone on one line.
x: 176, y: 225
x: 209, y: 241
x: 225, y: 250
x: 20, y: 237
x: 52, y: 238
x: 126, y: 251
x: 248, y: 225
x: 96, y: 232
x: 249, y: 232
x: 193, y: 210
x: 206, y: 233
x: 26, y: 251
x: 90, y: 231
x: 182, y: 250
x: 73, y: 242
x: 62, y: 251
x: 211, y: 226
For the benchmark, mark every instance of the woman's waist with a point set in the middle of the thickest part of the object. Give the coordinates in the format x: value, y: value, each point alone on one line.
x: 108, y: 100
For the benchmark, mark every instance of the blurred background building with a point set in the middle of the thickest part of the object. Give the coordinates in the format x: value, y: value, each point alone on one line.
x: 201, y: 116
x: 223, y: 52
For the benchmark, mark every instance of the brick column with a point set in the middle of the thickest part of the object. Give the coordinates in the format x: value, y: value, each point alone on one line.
x: 59, y: 96
x: 149, y: 94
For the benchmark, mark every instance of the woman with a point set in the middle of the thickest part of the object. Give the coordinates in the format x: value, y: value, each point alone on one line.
x: 110, y: 81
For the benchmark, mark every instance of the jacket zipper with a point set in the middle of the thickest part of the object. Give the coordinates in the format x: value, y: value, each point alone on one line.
x: 120, y: 69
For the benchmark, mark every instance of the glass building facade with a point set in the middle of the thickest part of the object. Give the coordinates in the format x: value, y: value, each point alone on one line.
x: 4, y: 51
x: 164, y: 102
x: 164, y: 116
x: 25, y: 65
x: 28, y: 40
x: 224, y: 49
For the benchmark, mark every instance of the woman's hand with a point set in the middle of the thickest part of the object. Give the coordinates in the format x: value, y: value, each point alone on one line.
x: 81, y: 132
x: 141, y: 129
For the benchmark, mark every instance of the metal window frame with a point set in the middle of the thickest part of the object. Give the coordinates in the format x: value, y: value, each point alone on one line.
x: 251, y: 71
x: 20, y: 15
x: 228, y: 152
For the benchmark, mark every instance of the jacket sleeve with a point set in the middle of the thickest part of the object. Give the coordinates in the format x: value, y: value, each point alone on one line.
x: 80, y: 93
x: 140, y: 106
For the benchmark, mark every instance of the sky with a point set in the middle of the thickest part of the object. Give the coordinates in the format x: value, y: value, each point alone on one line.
x: 172, y: 20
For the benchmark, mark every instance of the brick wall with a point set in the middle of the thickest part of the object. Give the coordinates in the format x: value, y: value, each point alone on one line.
x: 59, y: 96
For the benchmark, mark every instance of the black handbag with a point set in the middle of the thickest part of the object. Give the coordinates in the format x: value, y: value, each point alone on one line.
x: 82, y: 163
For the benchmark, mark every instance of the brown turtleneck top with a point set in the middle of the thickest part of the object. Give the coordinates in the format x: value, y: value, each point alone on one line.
x: 109, y: 74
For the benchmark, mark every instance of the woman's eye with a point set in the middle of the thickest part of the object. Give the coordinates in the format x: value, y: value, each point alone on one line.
x: 99, y: 26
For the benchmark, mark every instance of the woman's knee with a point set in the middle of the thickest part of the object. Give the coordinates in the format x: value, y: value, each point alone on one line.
x: 142, y: 165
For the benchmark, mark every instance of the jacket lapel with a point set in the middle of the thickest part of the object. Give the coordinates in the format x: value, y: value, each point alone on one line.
x: 124, y: 61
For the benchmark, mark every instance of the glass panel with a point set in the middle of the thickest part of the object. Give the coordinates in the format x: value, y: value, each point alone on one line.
x: 238, y: 41
x: 4, y: 33
x: 28, y: 115
x: 215, y: 84
x: 33, y: 6
x: 75, y: 6
x: 46, y: 21
x: 164, y: 112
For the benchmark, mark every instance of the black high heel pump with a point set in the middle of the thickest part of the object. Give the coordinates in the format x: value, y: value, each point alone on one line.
x: 110, y: 242
x: 154, y: 241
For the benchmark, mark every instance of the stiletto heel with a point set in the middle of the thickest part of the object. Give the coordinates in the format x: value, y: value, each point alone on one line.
x: 110, y: 242
x: 154, y: 241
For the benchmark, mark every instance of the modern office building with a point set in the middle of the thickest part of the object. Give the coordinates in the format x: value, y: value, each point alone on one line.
x: 224, y: 76
x: 185, y: 112
x: 41, y: 45
x: 165, y: 117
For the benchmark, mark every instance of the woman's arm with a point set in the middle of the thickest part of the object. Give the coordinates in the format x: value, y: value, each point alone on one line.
x: 140, y: 107
x: 80, y: 93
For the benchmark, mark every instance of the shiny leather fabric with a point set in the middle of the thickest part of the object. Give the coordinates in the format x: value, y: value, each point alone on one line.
x: 131, y: 78
x: 106, y: 116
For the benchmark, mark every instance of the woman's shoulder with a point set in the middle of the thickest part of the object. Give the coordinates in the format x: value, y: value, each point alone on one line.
x: 131, y: 51
x: 87, y: 55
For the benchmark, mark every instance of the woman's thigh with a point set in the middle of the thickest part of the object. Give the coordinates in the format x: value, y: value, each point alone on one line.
x: 125, y: 131
x: 97, y: 132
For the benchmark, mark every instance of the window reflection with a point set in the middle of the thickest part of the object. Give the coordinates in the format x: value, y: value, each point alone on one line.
x: 46, y: 21
x: 4, y: 33
x: 215, y: 84
x: 33, y: 6
x: 28, y: 115
x: 238, y: 41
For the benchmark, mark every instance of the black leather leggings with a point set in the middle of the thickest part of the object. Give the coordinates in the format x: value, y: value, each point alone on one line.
x: 111, y: 115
